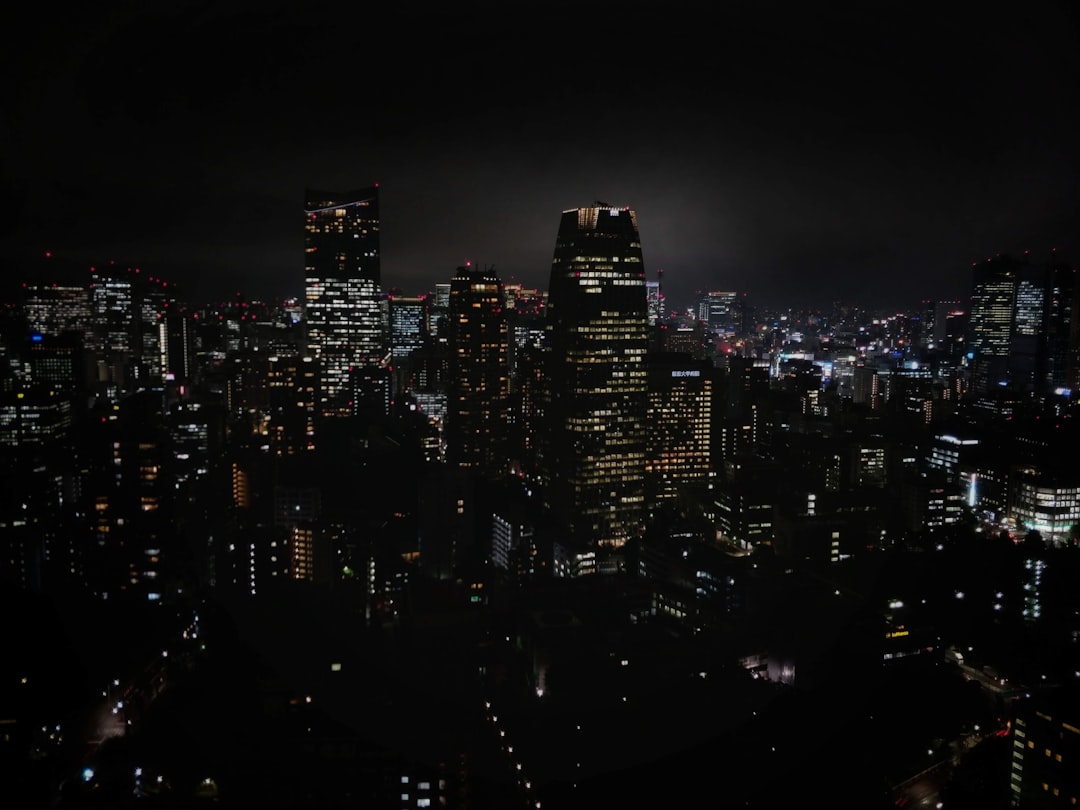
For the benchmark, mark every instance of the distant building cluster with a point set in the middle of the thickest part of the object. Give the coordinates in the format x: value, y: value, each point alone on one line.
x: 605, y: 420
x: 360, y: 438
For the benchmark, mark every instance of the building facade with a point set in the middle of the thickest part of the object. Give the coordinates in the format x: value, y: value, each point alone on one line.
x: 593, y: 436
x: 478, y: 392
x: 344, y: 303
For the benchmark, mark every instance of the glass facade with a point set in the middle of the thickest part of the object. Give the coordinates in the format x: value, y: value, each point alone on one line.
x: 344, y: 307
x: 594, y: 400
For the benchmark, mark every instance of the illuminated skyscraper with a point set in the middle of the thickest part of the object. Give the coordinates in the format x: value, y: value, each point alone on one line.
x: 1023, y: 328
x: 52, y: 309
x: 344, y: 306
x: 720, y: 312
x: 594, y: 395
x: 680, y: 424
x: 478, y: 390
x: 1061, y: 369
x: 654, y: 302
x: 408, y: 326
x: 408, y: 333
x: 993, y: 293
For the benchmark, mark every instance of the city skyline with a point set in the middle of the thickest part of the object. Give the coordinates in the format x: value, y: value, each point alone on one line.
x: 829, y: 154
x: 472, y: 550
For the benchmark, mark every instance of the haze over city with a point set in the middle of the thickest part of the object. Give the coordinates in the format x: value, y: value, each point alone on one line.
x: 279, y: 528
x: 797, y: 154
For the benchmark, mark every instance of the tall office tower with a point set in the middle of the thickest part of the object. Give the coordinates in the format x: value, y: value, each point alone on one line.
x: 195, y: 432
x: 291, y: 384
x: 408, y: 333
x: 720, y: 311
x: 343, y: 296
x: 176, y: 341
x: 679, y: 425
x: 1027, y: 343
x: 654, y: 302
x: 52, y: 309
x: 1022, y: 325
x: 594, y: 397
x: 1061, y: 369
x: 408, y: 325
x: 956, y: 334
x: 112, y: 311
x: 154, y: 299
x: 478, y: 391
x: 925, y: 333
x: 525, y: 334
x: 440, y: 305
x: 524, y: 322
x: 993, y: 292
x: 741, y: 426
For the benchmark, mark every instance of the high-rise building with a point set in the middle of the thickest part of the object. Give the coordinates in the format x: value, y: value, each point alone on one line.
x: 1022, y: 325
x: 478, y: 391
x: 719, y: 310
x: 408, y: 333
x: 1061, y: 367
x: 680, y: 425
x: 344, y: 303
x: 112, y: 312
x: 437, y: 312
x: 654, y: 302
x: 290, y: 383
x: 993, y: 291
x: 52, y: 309
x: 594, y: 398
x: 408, y: 325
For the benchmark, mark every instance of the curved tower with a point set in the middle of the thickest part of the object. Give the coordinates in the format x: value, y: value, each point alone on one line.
x: 594, y: 393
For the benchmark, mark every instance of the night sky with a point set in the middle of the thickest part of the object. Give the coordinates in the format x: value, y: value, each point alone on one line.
x: 868, y: 152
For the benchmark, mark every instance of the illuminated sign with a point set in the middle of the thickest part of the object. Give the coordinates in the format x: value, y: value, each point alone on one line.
x: 694, y: 373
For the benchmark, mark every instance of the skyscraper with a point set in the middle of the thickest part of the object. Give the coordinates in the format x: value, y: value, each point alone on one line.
x: 592, y: 445
x: 1022, y: 325
x: 680, y: 424
x: 479, y: 384
x: 719, y: 310
x: 408, y: 333
x: 343, y: 298
x: 993, y: 292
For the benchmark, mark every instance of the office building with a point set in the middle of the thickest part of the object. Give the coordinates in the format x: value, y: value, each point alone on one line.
x: 52, y: 309
x: 719, y: 311
x: 478, y: 390
x: 679, y: 425
x: 593, y: 442
x: 344, y: 303
x: 408, y: 334
x: 1045, y: 744
x: 1023, y: 330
